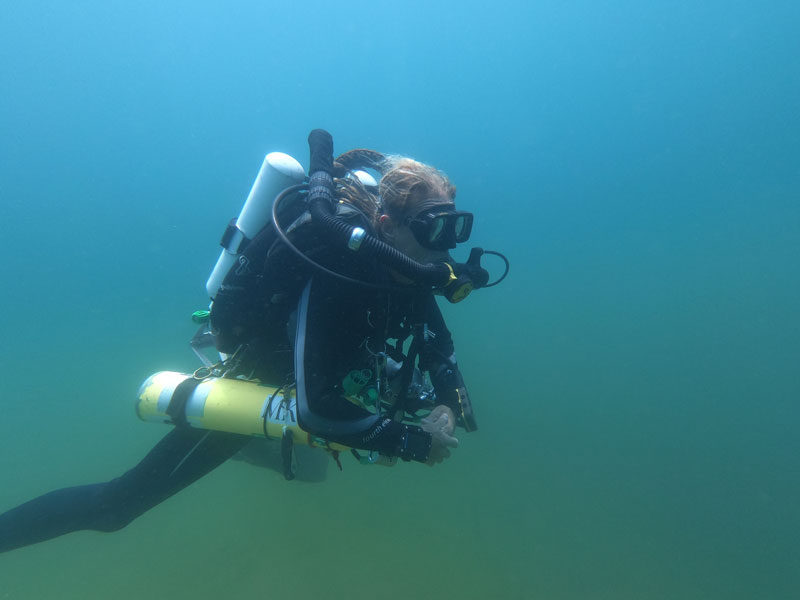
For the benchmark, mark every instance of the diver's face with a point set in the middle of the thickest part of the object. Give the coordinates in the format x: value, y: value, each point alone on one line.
x: 401, y: 237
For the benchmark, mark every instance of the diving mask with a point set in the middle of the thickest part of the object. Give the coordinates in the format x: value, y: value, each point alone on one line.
x: 441, y: 229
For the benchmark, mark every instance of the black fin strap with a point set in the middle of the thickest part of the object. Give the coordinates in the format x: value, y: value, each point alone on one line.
x: 177, y: 404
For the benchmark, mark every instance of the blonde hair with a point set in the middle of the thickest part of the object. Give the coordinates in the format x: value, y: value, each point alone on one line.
x: 405, y: 183
x: 352, y: 191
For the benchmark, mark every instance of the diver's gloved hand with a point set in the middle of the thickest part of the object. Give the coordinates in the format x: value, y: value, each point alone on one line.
x: 440, y: 424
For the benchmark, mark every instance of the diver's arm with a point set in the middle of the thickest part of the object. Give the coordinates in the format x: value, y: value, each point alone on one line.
x: 439, y: 359
x: 322, y: 410
x: 336, y: 419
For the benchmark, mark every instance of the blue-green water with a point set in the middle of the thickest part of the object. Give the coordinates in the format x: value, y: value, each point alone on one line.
x: 636, y: 378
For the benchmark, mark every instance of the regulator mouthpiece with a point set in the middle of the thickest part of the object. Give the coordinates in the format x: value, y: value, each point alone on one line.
x: 465, y: 277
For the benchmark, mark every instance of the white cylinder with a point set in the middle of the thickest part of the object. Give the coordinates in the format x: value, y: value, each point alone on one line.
x: 278, y: 171
x: 367, y: 180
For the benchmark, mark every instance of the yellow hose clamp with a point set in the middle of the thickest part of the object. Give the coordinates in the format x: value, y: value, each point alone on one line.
x: 452, y: 277
x: 457, y: 288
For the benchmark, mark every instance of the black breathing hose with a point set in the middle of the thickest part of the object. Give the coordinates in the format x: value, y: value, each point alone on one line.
x: 296, y: 189
x: 276, y: 206
x: 453, y: 281
x: 321, y: 202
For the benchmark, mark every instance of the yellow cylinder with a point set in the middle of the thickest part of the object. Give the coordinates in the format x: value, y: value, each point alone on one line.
x: 230, y: 405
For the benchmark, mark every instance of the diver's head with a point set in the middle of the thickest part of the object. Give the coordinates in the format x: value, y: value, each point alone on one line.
x: 418, y: 214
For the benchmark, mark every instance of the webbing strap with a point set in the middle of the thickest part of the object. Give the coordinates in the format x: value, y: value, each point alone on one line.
x: 177, y: 404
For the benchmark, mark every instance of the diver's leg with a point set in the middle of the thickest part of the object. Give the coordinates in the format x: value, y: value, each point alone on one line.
x: 179, y: 459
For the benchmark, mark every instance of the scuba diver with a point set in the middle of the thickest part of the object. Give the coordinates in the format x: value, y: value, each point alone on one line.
x: 334, y: 300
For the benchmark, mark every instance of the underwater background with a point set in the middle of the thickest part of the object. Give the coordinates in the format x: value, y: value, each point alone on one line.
x: 636, y: 378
